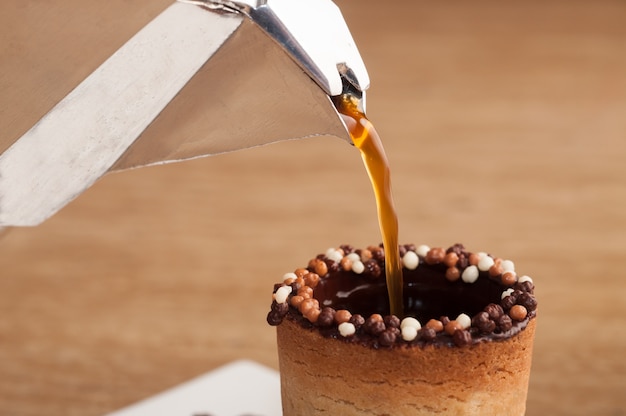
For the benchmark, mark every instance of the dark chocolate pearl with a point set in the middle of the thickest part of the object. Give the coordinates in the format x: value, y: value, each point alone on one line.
x: 372, y: 268
x: 347, y: 249
x: 505, y: 323
x: 280, y: 308
x: 457, y: 249
x: 487, y: 327
x: 295, y: 286
x: 461, y: 338
x: 392, y: 321
x: 333, y: 267
x: 387, y: 338
x: 357, y: 320
x: 327, y: 317
x: 483, y: 322
x: 508, y: 302
x: 462, y: 263
x: 494, y: 311
x: 378, y: 255
x: 528, y: 301
x: 480, y: 317
x: 525, y: 286
x: 427, y: 334
x: 274, y: 318
x: 374, y: 327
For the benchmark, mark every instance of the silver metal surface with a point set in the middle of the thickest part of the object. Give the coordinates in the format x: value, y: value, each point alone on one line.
x: 191, y: 83
x: 313, y: 32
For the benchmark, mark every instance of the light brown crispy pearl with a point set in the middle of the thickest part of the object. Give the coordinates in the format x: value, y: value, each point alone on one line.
x: 331, y: 377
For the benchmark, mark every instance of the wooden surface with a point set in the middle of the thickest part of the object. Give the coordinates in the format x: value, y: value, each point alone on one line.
x: 505, y: 126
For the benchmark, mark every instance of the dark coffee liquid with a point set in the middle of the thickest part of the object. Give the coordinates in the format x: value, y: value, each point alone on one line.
x: 426, y: 294
x: 366, y: 139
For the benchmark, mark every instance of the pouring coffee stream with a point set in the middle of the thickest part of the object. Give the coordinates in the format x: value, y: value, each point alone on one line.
x: 367, y: 140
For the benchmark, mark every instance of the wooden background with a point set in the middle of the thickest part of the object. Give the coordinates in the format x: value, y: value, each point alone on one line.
x: 505, y: 126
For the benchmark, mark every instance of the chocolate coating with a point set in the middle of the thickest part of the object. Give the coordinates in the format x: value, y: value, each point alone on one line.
x: 427, y: 294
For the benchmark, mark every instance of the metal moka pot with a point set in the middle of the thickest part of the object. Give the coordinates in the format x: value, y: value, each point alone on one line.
x: 204, y: 77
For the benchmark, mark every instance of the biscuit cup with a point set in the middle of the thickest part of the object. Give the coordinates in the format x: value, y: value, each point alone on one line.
x: 463, y: 346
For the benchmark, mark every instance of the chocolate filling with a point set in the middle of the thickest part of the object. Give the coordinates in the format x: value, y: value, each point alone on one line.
x: 427, y: 294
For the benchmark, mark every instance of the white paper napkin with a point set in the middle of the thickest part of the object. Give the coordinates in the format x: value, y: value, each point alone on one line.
x: 240, y: 388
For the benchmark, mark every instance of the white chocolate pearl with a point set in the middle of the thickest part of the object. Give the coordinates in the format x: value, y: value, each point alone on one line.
x: 507, y: 266
x: 464, y: 320
x: 289, y: 275
x: 485, y: 263
x: 358, y: 267
x: 346, y: 329
x: 334, y: 255
x: 422, y: 250
x: 506, y: 293
x: 470, y: 274
x: 410, y: 260
x: 354, y: 257
x: 525, y: 279
x: 409, y: 333
x: 410, y: 321
x: 282, y: 293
